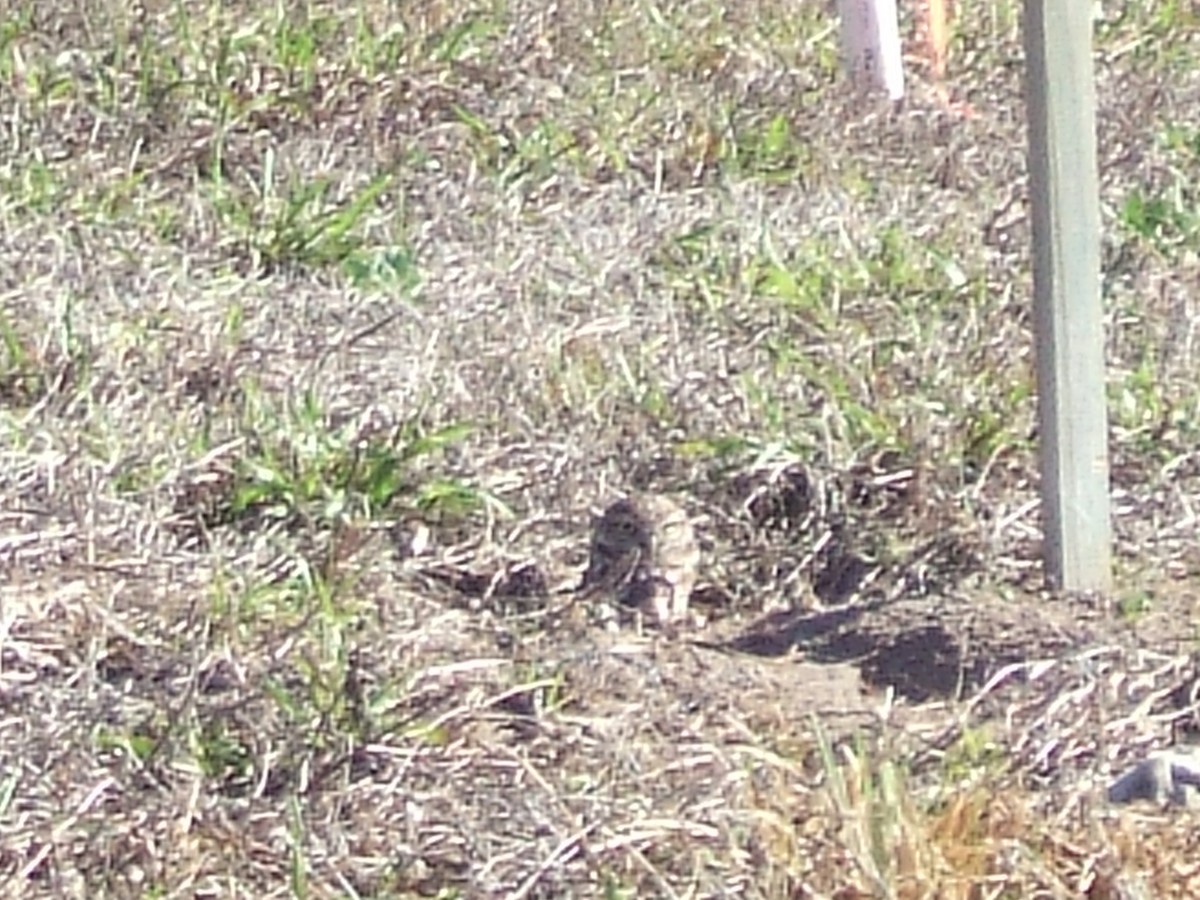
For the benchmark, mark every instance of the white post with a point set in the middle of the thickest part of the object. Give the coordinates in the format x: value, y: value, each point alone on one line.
x: 1073, y: 421
x: 870, y: 34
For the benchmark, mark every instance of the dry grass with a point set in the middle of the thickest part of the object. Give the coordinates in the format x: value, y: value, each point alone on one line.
x: 325, y: 328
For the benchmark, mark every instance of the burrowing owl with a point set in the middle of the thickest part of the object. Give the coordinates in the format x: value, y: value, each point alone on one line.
x: 644, y: 554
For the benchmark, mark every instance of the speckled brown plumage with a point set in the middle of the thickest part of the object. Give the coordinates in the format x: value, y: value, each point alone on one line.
x: 644, y: 555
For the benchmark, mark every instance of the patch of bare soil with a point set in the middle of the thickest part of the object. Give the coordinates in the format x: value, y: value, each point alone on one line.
x: 526, y: 757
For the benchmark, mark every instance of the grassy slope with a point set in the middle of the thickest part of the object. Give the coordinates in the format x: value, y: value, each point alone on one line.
x: 322, y: 329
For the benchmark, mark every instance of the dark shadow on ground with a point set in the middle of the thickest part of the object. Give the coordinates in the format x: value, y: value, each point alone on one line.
x: 923, y: 648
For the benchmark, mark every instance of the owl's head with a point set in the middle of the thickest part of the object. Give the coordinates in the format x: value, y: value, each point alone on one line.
x: 622, y: 529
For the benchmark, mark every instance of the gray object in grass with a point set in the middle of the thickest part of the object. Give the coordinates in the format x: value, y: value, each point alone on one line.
x: 1168, y: 777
